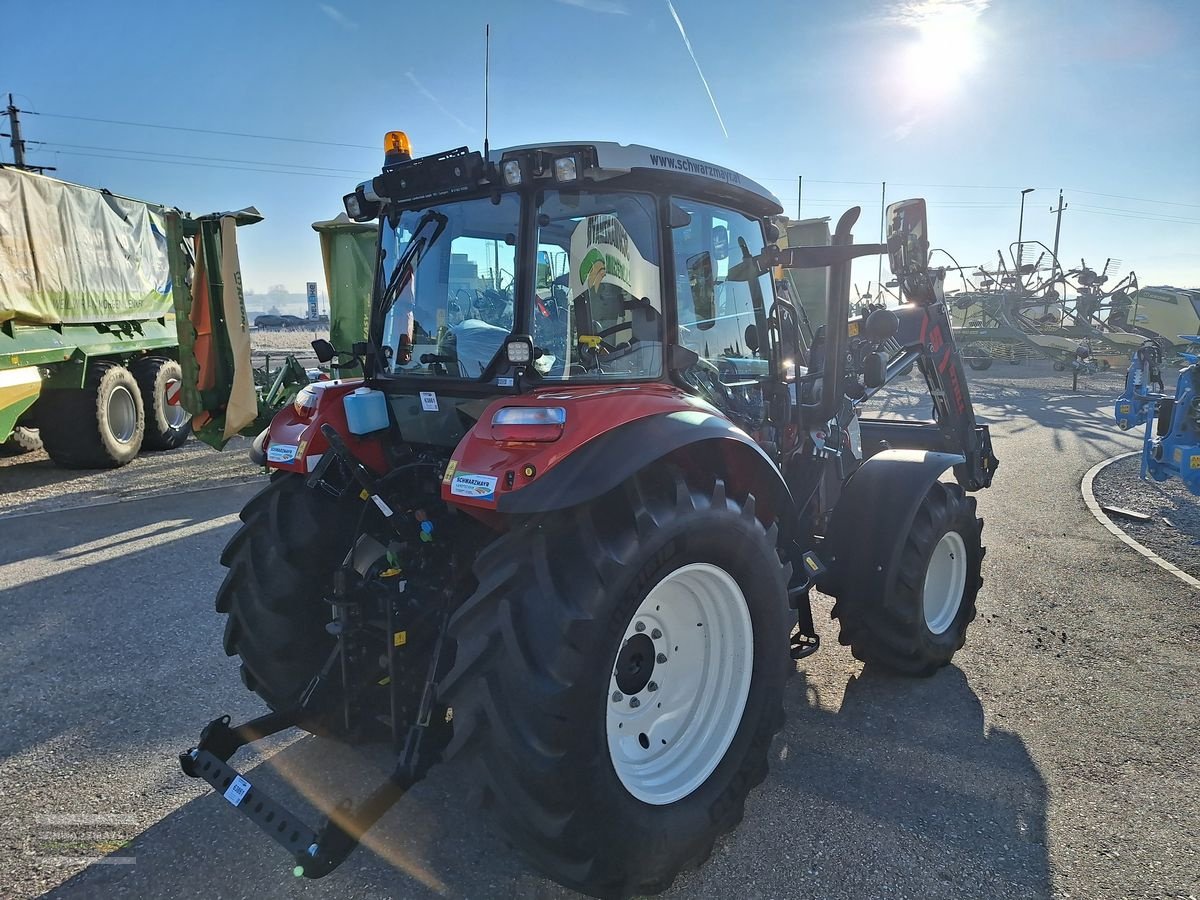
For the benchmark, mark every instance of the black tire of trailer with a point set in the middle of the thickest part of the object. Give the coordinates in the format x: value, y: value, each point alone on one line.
x: 536, y: 648
x: 22, y: 440
x: 978, y: 357
x: 154, y: 374
x: 98, y: 426
x: 890, y: 628
x: 281, y: 563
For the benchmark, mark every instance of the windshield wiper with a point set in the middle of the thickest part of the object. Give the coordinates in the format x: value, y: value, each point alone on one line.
x: 412, y: 255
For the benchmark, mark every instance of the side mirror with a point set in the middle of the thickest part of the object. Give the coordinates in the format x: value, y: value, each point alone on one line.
x: 874, y: 370
x: 324, y: 350
x: 545, y: 273
x: 881, y: 325
x: 720, y: 242
x: 704, y: 292
x: 907, y: 237
x: 752, y: 338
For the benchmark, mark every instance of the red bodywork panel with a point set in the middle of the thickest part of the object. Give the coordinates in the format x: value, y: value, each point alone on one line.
x: 295, y: 442
x: 479, y: 469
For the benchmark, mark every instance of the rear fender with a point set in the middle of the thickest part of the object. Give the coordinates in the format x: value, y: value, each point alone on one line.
x: 873, y: 514
x: 610, y: 435
x: 294, y: 442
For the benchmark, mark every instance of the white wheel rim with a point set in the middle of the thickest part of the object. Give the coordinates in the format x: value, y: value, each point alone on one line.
x: 945, y: 580
x: 670, y: 723
x: 122, y: 414
x: 175, y: 414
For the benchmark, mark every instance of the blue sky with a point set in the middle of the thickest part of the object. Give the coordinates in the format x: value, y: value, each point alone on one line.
x: 964, y: 103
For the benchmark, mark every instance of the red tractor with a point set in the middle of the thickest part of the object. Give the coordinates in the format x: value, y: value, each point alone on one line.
x: 566, y: 525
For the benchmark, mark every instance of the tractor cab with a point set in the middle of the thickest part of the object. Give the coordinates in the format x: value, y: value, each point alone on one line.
x: 565, y: 265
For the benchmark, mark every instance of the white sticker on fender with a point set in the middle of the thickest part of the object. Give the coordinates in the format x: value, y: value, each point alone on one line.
x: 281, y: 453
x: 477, y: 487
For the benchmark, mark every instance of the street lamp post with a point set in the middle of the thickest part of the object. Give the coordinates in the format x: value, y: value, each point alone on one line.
x: 1021, y: 228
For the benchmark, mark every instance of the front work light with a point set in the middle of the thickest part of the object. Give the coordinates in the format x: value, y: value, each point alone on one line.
x: 566, y: 168
x: 529, y: 423
x: 512, y: 172
x: 353, y: 208
x: 519, y: 351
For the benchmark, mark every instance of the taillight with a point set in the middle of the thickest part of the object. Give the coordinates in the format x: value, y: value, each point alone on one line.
x: 528, y: 423
x: 305, y: 402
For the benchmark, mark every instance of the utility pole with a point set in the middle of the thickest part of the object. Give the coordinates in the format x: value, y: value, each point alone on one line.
x: 14, y: 136
x: 1058, y: 223
x: 18, y: 145
x: 799, y: 193
x: 882, y: 207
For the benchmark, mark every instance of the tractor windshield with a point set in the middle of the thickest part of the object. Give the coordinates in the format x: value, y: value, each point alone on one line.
x: 446, y: 280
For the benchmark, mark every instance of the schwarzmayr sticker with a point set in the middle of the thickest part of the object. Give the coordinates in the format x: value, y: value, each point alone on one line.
x: 476, y: 487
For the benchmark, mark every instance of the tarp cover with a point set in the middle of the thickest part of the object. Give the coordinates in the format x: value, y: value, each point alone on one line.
x: 74, y: 255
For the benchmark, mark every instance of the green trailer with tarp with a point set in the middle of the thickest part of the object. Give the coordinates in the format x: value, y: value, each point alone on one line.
x: 96, y: 292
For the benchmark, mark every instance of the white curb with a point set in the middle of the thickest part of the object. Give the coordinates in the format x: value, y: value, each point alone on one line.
x: 1090, y: 499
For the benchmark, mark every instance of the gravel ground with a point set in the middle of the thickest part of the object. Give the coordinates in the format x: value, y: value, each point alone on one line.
x: 32, y: 483
x: 1174, y: 529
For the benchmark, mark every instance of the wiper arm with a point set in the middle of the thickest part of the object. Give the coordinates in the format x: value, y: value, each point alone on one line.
x: 412, y: 255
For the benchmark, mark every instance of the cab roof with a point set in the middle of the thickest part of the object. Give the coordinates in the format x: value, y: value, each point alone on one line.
x: 614, y: 159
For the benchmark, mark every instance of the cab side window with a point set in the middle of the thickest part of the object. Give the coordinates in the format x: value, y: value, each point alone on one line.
x: 716, y: 314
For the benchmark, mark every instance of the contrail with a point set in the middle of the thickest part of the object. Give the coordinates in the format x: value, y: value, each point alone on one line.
x: 428, y: 95
x: 703, y: 80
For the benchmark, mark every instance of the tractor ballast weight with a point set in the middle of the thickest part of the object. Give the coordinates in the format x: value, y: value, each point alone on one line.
x: 603, y: 466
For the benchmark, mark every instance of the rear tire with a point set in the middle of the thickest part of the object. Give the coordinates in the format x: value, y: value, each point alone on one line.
x: 979, y: 359
x: 98, y: 426
x: 921, y: 620
x: 281, y: 563
x: 167, y: 425
x: 543, y: 638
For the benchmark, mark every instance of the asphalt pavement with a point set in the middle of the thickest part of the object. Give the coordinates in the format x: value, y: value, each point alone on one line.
x: 1057, y: 756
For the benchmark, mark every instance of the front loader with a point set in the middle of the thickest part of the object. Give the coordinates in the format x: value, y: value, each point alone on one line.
x: 566, y: 527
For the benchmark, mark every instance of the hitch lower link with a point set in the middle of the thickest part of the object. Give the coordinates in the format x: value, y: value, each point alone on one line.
x: 319, y: 851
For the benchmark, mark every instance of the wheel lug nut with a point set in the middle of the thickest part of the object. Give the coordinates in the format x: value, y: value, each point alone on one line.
x: 634, y: 702
x: 662, y: 658
x: 656, y: 634
x: 617, y: 697
x: 652, y: 686
x: 640, y: 626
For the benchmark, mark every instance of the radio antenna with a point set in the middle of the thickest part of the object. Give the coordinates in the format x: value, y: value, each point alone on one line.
x: 487, y: 60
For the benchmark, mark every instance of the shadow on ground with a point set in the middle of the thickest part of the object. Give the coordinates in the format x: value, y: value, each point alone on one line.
x: 948, y: 806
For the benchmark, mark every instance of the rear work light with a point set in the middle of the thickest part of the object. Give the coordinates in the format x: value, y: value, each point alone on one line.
x: 529, y: 423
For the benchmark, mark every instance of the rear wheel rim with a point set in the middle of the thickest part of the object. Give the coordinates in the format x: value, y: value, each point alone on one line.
x: 122, y: 414
x: 945, y: 579
x: 679, y: 687
x: 175, y: 414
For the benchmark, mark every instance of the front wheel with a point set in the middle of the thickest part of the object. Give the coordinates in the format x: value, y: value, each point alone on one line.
x: 616, y: 703
x: 167, y: 422
x: 920, y: 619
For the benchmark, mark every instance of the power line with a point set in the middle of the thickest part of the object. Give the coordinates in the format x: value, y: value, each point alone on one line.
x: 252, y: 162
x: 242, y: 134
x: 1139, y: 199
x: 171, y: 162
x: 1095, y: 212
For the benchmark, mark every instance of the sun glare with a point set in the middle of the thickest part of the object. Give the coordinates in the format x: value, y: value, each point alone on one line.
x: 946, y: 50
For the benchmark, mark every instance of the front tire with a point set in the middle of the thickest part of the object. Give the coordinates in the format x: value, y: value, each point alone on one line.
x: 167, y: 424
x: 22, y: 440
x: 921, y: 619
x: 557, y: 654
x: 281, y: 563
